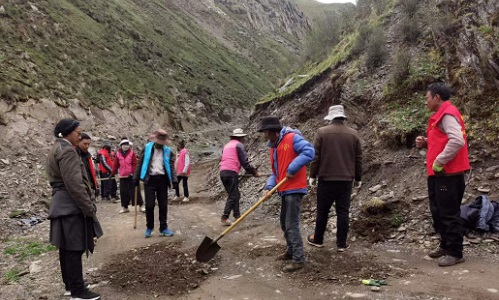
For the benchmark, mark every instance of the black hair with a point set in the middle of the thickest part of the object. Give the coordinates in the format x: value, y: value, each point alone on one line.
x: 439, y: 88
x: 181, y: 144
x: 84, y: 136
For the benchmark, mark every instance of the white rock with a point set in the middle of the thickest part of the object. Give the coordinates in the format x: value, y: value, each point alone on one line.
x: 35, y: 267
x: 492, y: 290
x: 34, y: 8
x: 375, y: 188
x: 233, y: 277
x: 483, y: 189
x: 356, y: 295
x: 2, y: 10
x: 375, y: 289
x: 111, y: 137
x: 5, y: 161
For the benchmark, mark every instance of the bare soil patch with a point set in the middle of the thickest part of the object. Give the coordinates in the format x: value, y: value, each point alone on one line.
x: 162, y: 268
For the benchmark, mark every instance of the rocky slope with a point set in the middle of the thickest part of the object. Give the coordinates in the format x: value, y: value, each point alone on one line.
x: 182, y: 56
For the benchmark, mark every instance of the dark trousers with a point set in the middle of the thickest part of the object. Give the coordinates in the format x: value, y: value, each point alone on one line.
x: 182, y: 179
x: 329, y: 192
x: 105, y: 190
x: 445, y: 194
x: 156, y: 188
x: 290, y: 225
x: 231, y: 184
x: 127, y: 193
x: 72, y: 270
x: 114, y: 188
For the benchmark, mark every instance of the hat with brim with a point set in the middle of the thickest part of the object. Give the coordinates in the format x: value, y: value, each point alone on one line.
x: 238, y: 132
x: 160, y: 137
x: 335, y: 111
x: 270, y: 123
x: 124, y: 142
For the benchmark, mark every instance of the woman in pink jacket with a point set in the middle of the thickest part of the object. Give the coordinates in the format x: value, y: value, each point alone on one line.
x: 125, y: 165
x: 183, y: 168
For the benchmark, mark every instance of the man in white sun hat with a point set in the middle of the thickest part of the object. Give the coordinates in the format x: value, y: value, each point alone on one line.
x: 337, y: 162
x: 233, y: 158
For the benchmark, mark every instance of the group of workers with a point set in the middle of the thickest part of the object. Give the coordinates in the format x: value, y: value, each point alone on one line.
x: 335, y: 160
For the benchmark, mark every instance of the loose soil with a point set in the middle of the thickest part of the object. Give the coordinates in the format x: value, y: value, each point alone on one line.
x: 126, y: 265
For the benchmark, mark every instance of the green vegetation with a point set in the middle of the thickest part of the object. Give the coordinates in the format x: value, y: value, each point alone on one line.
x: 23, y: 249
x: 404, y: 119
x: 339, y: 54
x: 100, y: 51
x: 12, y: 276
x: 398, y: 219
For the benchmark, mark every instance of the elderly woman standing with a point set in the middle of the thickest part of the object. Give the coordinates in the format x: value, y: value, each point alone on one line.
x: 73, y: 223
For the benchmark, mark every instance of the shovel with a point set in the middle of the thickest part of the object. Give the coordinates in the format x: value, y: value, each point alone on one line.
x: 209, y: 247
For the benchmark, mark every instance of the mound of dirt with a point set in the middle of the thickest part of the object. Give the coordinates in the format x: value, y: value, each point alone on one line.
x: 160, y: 269
x: 326, y: 265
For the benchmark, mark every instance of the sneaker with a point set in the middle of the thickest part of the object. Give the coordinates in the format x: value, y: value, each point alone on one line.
x: 177, y: 198
x: 166, y: 232
x: 124, y: 210
x: 285, y: 256
x: 311, y: 241
x: 226, y: 222
x: 148, y: 233
x: 292, y: 266
x: 142, y: 208
x: 185, y: 199
x: 342, y: 249
x: 115, y: 200
x: 449, y: 260
x: 85, y: 295
x: 439, y: 252
x: 87, y: 286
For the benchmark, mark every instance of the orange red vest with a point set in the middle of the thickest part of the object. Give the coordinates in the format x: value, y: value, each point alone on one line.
x: 285, y: 155
x: 437, y: 139
x: 110, y: 163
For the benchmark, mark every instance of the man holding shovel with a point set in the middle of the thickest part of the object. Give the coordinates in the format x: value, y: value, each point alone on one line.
x: 446, y: 162
x: 289, y: 155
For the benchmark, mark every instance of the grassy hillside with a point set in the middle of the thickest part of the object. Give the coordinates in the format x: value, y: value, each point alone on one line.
x: 102, y: 51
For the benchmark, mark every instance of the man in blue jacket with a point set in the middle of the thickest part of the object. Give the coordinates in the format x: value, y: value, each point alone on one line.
x: 156, y: 168
x: 289, y: 155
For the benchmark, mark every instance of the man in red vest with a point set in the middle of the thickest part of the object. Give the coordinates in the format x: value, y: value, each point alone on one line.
x: 446, y: 162
x: 86, y: 158
x: 105, y: 169
x: 289, y: 155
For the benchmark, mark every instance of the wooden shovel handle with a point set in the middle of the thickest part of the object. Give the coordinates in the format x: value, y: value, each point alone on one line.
x: 135, y: 204
x: 272, y: 191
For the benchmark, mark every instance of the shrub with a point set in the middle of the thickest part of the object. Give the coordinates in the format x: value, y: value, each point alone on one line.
x: 376, y: 51
x: 360, y: 43
x: 409, y: 29
x: 410, y: 7
x: 401, y: 66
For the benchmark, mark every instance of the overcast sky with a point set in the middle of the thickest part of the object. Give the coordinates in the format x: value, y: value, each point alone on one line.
x: 336, y: 1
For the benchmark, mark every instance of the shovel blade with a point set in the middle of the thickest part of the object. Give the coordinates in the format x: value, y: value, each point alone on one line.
x: 207, y: 250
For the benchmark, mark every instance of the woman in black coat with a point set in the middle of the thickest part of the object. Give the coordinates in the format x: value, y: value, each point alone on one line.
x: 73, y: 223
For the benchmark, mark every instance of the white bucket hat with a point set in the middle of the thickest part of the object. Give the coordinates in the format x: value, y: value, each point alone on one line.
x: 125, y: 142
x: 335, y: 111
x: 238, y: 132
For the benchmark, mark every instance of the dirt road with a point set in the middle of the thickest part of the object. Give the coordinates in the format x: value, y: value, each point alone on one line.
x: 245, y: 267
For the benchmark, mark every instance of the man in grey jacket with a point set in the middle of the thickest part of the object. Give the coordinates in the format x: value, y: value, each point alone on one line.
x: 73, y: 223
x: 337, y: 162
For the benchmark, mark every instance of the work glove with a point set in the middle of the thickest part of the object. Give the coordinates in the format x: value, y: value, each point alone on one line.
x: 312, y: 181
x: 439, y: 170
x: 357, y: 184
